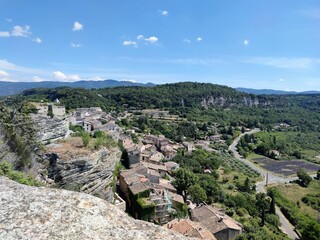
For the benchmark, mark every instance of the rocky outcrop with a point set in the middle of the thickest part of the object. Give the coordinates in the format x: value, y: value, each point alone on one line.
x: 50, y: 129
x: 91, y: 173
x: 18, y: 142
x: 43, y: 213
x: 248, y: 101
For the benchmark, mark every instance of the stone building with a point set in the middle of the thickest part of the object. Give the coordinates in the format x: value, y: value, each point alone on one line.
x: 218, y: 223
x: 189, y: 228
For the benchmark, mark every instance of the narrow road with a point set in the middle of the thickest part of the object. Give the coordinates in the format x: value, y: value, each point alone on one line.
x: 286, y: 227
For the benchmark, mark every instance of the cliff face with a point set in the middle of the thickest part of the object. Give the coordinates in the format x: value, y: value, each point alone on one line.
x: 90, y: 173
x: 49, y: 129
x: 222, y: 101
x: 18, y: 142
x: 44, y: 213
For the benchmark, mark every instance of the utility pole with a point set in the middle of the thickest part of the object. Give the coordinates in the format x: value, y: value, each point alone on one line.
x: 267, y: 179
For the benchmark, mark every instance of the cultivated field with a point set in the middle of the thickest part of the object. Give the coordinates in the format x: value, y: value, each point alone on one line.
x: 287, y: 168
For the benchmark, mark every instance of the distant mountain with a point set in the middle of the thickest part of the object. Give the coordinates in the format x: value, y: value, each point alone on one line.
x: 11, y: 88
x: 273, y: 92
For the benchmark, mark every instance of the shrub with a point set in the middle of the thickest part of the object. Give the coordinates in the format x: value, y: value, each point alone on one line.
x: 6, y: 169
x: 242, y: 211
x: 273, y: 220
x: 85, y: 138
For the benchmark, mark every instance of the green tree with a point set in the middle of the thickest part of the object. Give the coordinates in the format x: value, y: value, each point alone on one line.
x: 311, y: 230
x: 262, y: 204
x: 184, y: 178
x: 272, y: 209
x: 304, y: 178
x: 246, y: 187
x: 197, y: 194
x: 318, y: 174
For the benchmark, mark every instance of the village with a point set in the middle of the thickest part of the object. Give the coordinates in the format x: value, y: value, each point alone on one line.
x: 144, y: 188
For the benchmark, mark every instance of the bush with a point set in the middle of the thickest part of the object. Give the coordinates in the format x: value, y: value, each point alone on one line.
x: 85, y: 138
x: 6, y: 169
x: 99, y: 134
x: 304, y: 178
x: 273, y: 220
x: 229, y: 212
x: 242, y: 212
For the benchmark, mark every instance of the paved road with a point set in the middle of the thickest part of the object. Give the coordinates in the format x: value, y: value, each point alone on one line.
x: 286, y: 227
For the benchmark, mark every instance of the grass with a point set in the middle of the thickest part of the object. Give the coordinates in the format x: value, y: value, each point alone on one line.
x: 231, y: 178
x: 307, y: 143
x: 311, y: 155
x: 253, y: 156
x: 295, y: 193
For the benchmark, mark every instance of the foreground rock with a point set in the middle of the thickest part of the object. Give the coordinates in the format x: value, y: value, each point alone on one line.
x: 44, y: 213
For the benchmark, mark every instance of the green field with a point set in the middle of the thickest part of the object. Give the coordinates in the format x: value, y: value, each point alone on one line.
x: 292, y: 145
x: 290, y: 199
x: 295, y: 193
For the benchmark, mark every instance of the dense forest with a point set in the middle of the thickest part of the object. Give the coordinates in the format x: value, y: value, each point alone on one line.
x: 201, y: 102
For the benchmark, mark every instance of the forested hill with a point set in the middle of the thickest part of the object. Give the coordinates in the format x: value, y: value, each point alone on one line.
x: 274, y: 92
x: 184, y: 94
x: 176, y: 95
x: 11, y: 88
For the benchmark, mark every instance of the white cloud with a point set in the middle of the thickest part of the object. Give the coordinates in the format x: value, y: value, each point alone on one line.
x: 77, y: 26
x: 37, y: 79
x: 282, y: 62
x: 186, y: 40
x: 130, y: 43
x: 21, y: 31
x: 140, y: 37
x: 152, y: 39
x: 199, y: 39
x: 246, y: 42
x: 3, y: 74
x: 9, y: 66
x: 281, y: 80
x: 74, y: 77
x: 9, y: 20
x: 60, y: 76
x: 164, y: 12
x: 37, y: 40
x: 129, y: 80
x: 5, y: 34
x: 97, y: 79
x: 76, y: 45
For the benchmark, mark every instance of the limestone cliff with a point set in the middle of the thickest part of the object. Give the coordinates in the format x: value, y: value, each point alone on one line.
x: 50, y: 129
x: 43, y: 213
x: 18, y: 142
x: 89, y: 172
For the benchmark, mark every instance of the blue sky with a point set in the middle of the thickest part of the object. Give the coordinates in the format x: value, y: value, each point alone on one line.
x: 245, y: 43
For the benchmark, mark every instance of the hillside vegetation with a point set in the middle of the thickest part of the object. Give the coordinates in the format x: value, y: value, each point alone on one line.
x: 196, y: 101
x: 18, y: 141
